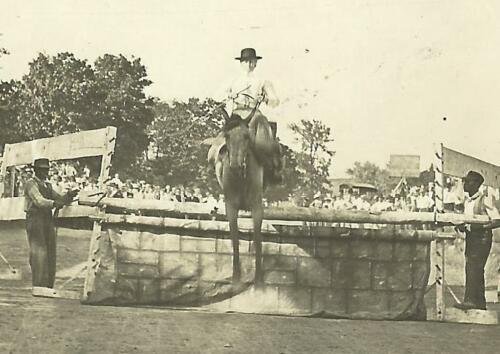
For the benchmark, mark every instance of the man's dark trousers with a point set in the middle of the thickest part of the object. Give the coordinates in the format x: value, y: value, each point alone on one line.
x: 477, y: 249
x: 42, y: 242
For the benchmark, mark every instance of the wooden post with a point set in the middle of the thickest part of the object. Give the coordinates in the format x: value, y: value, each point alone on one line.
x: 13, y: 181
x: 93, y: 261
x: 440, y: 284
x: 3, y: 171
x: 93, y: 257
x: 106, y: 156
x: 439, y: 243
x: 438, y: 180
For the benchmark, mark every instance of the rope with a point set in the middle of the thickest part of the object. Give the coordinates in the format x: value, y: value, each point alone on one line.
x: 12, y: 269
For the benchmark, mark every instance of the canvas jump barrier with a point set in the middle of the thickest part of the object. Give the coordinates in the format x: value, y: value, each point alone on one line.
x: 316, y: 262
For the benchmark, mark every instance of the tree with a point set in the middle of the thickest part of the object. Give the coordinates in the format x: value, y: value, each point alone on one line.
x: 177, y: 132
x: 368, y: 172
x: 9, y: 105
x: 57, y: 96
x: 8, y: 94
x: 63, y: 94
x: 315, y: 156
x: 121, y: 102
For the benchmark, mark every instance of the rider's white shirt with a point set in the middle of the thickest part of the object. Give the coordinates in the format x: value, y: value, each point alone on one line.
x: 245, y: 89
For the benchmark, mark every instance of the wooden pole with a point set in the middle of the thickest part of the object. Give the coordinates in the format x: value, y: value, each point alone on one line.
x: 3, y: 170
x: 12, y: 181
x: 439, y: 246
x: 93, y: 256
x: 440, y: 279
x: 291, y: 213
x: 273, y: 227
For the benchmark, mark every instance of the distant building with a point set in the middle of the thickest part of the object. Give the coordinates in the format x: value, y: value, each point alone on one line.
x: 340, y: 184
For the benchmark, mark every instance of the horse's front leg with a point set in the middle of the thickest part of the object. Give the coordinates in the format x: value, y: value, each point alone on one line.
x: 257, y: 215
x: 232, y: 216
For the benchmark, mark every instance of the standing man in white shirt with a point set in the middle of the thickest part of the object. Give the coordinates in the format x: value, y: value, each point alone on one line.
x: 246, y: 92
x: 478, y: 240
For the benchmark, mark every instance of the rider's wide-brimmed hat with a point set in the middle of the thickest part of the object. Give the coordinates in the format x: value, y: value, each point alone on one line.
x: 248, y: 54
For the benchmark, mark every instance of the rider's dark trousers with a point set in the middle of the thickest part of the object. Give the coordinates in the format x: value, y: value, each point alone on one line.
x: 42, y: 245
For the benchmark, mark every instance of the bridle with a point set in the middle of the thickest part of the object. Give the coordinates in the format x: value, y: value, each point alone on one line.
x: 246, y: 121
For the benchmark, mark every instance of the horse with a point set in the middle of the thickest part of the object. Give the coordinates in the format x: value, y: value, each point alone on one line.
x: 241, y: 176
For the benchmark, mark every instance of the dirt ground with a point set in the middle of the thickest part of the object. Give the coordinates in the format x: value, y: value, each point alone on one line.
x: 41, y: 325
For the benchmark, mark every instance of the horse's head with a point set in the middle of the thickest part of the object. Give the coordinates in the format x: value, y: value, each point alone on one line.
x: 238, y: 140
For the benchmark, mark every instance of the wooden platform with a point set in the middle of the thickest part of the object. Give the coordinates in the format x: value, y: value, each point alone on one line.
x: 487, y: 317
x: 55, y: 293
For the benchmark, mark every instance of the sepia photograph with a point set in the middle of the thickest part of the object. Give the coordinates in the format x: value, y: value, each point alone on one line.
x: 227, y: 176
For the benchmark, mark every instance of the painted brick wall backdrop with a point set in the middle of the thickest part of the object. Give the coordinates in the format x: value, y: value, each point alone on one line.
x: 323, y: 271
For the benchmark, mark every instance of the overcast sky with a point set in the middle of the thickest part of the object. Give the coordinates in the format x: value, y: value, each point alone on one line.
x: 382, y: 74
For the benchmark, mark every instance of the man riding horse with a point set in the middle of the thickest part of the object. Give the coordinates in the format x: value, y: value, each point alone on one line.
x: 246, y: 155
x: 246, y: 93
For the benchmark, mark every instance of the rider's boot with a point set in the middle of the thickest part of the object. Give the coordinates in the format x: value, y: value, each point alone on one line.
x: 276, y: 166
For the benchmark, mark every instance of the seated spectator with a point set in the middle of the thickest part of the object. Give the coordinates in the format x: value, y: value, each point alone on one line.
x: 116, y: 180
x: 377, y: 205
x: 386, y: 204
x: 167, y: 194
x: 363, y: 203
x: 424, y: 202
x: 449, y: 198
x: 156, y: 192
x: 70, y: 170
x: 189, y: 197
x: 86, y: 172
x: 113, y: 191
x: 210, y: 200
x: 316, y: 203
x: 198, y: 195
x: 178, y: 195
x: 55, y: 182
x: 328, y: 202
x: 149, y: 192
x: 124, y: 191
x: 136, y: 192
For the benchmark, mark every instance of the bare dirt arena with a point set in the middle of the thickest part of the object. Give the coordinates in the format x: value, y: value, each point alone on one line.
x: 42, y: 325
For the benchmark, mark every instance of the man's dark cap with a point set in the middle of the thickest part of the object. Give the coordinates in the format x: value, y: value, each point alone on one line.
x: 41, y: 163
x: 475, y: 176
x: 248, y: 54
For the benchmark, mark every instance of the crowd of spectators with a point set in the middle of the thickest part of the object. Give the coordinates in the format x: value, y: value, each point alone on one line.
x: 72, y: 175
x: 65, y: 176
x: 415, y: 198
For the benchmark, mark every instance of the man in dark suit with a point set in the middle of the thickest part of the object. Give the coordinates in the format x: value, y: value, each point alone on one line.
x: 40, y: 199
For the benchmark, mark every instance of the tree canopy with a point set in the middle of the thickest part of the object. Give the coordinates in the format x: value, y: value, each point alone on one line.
x: 369, y: 172
x: 315, y: 156
x: 177, y: 133
x: 63, y: 94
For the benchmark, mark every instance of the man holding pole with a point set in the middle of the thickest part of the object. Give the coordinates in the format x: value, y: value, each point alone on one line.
x: 40, y: 199
x: 478, y: 239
